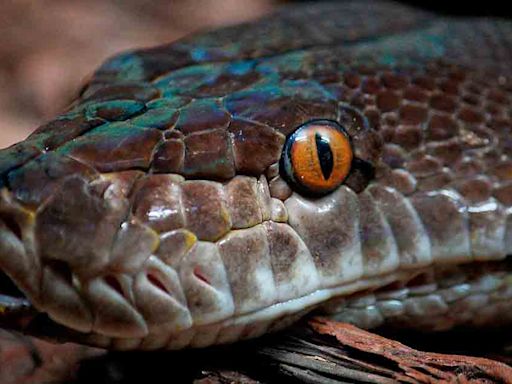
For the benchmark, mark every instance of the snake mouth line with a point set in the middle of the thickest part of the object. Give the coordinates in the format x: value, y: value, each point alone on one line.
x: 381, y: 283
x: 17, y: 313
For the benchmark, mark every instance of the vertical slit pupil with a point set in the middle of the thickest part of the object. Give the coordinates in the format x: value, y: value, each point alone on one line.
x: 324, y: 155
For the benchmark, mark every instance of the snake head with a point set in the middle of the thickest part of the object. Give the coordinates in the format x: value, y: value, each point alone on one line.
x: 192, y: 194
x: 124, y: 242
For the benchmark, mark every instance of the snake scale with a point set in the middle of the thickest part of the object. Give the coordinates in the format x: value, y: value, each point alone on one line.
x: 350, y: 158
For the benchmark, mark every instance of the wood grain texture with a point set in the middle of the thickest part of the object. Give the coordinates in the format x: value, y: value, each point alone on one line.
x: 320, y: 351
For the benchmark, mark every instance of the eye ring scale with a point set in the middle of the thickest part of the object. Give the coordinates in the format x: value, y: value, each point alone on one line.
x: 317, y: 157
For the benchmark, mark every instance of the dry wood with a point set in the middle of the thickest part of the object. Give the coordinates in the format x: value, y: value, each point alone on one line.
x: 320, y: 351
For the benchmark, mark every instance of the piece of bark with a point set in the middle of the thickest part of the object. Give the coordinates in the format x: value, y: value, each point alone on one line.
x: 225, y: 377
x: 376, y: 353
x: 320, y: 351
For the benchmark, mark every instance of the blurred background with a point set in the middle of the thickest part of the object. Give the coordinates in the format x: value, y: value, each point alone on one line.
x: 49, y: 47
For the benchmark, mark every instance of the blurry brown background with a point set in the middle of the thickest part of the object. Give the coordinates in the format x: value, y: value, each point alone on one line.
x: 49, y: 47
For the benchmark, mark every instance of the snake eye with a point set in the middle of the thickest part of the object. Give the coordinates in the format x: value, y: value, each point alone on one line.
x: 317, y: 157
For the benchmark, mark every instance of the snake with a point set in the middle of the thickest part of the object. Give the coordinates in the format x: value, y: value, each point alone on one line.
x: 351, y: 159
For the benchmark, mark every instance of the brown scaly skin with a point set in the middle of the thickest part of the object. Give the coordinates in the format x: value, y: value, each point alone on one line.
x: 154, y: 213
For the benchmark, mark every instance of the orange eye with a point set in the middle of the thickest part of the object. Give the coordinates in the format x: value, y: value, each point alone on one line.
x: 317, y: 157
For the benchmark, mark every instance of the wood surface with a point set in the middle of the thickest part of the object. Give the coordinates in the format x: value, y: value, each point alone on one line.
x: 319, y: 351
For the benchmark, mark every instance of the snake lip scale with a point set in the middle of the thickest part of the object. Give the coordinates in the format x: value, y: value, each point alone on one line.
x: 352, y: 160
